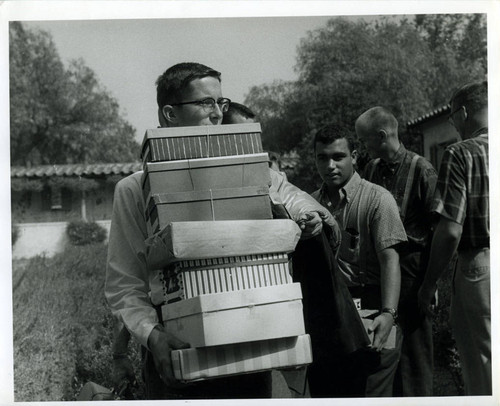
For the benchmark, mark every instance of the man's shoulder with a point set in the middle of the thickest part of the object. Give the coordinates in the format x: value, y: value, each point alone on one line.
x: 373, y: 188
x: 131, y: 182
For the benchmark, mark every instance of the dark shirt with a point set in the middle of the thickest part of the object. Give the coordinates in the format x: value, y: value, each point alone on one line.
x: 396, y: 177
x: 462, y: 192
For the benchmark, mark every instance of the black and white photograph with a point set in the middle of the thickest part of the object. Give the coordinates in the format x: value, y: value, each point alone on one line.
x: 256, y: 202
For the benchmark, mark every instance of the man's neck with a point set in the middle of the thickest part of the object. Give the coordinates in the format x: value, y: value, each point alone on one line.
x: 392, y: 150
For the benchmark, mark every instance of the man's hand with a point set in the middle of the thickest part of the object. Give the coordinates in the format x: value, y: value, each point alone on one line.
x: 161, y: 344
x: 426, y: 294
x: 381, y: 327
x: 311, y: 225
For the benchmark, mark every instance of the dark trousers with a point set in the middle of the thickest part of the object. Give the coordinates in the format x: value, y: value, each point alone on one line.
x: 375, y: 371
x: 414, y: 375
x: 249, y: 386
x: 331, y: 319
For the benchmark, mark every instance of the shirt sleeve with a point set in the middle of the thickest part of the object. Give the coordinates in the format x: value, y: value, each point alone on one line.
x: 386, y: 226
x: 427, y: 186
x: 127, y: 283
x: 296, y: 201
x: 450, y: 197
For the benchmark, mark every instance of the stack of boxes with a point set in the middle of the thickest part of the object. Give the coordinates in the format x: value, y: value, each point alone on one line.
x: 222, y: 259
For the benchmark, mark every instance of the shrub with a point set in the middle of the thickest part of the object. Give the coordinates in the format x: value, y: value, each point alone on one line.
x: 84, y: 233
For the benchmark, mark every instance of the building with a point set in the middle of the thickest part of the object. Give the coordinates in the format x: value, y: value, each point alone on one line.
x: 435, y: 133
x: 45, y: 198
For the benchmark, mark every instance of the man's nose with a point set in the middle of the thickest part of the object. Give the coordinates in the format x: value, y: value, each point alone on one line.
x: 217, y: 111
x: 331, y: 164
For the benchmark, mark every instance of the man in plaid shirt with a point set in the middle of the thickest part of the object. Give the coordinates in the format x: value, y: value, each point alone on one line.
x: 462, y: 202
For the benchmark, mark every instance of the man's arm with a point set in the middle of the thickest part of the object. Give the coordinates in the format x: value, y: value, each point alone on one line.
x: 127, y: 283
x: 444, y: 244
x: 127, y: 278
x: 390, y: 283
x: 303, y: 208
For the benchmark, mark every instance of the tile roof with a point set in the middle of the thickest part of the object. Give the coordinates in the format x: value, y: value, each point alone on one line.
x: 434, y: 113
x: 75, y: 170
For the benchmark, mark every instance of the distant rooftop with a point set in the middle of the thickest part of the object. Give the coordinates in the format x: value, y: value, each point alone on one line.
x: 434, y: 113
x: 38, y: 171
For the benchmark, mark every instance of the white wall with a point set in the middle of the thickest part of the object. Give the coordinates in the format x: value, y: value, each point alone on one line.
x: 44, y: 238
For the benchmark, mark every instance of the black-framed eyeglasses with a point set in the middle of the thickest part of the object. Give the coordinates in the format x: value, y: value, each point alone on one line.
x: 209, y: 103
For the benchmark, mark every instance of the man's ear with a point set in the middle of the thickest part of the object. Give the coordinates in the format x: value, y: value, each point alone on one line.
x: 169, y: 115
x: 354, y: 156
x: 383, y: 135
x: 463, y: 113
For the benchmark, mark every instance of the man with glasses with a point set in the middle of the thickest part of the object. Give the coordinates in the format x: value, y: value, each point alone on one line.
x: 188, y: 94
x: 462, y: 202
x: 411, y: 179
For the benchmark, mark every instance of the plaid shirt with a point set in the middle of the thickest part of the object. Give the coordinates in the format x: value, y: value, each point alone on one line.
x: 413, y: 190
x: 462, y: 192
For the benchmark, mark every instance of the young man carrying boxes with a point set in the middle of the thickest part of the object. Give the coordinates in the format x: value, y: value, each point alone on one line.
x: 188, y: 94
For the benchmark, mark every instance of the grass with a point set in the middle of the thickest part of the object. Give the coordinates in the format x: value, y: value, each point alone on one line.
x: 62, y: 326
x: 63, y: 329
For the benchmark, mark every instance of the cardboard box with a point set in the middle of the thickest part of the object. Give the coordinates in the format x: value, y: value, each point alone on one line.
x: 244, y: 203
x: 190, y: 278
x: 205, y: 174
x: 367, y: 317
x: 212, y: 362
x: 235, y: 317
x: 215, y: 239
x: 166, y: 144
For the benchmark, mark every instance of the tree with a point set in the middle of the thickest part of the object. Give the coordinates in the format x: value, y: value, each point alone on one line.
x: 349, y: 66
x: 60, y: 115
x: 275, y: 106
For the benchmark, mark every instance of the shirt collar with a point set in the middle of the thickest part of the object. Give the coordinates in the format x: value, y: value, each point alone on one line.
x: 481, y: 131
x: 347, y: 191
x: 396, y: 160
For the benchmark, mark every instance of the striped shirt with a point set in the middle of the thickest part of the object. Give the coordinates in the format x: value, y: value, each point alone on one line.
x: 411, y: 179
x: 462, y: 191
x: 369, y: 221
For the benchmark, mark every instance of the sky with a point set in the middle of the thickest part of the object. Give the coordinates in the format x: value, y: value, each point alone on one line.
x: 128, y: 55
x: 130, y: 43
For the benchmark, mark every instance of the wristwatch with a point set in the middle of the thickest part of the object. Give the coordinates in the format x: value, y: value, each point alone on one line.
x: 392, y: 312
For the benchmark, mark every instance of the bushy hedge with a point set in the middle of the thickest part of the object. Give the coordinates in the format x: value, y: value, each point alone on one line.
x: 85, y: 233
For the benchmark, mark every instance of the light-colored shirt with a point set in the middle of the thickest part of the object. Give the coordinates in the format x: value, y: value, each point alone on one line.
x: 131, y: 289
x: 369, y: 221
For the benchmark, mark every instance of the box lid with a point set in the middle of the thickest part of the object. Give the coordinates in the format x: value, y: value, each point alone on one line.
x: 196, y: 131
x: 230, y: 300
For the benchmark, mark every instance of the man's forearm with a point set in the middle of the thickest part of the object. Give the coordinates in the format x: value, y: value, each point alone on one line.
x: 390, y: 279
x: 444, y: 244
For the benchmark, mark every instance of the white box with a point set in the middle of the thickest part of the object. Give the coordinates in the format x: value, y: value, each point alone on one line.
x: 194, y: 364
x: 235, y: 317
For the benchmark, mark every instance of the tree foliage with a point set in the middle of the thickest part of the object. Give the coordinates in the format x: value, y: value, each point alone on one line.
x: 60, y: 115
x: 348, y: 66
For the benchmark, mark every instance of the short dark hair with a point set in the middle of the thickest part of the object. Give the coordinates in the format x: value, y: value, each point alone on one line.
x: 474, y: 96
x: 237, y: 108
x: 175, y: 79
x: 332, y: 132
